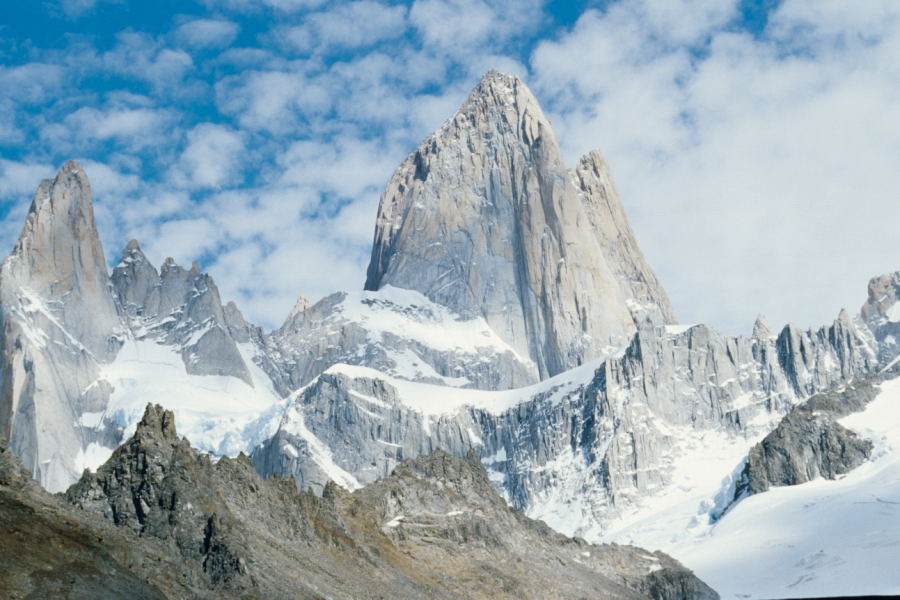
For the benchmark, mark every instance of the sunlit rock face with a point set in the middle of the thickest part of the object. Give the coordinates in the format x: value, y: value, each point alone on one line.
x: 485, y: 218
x: 59, y: 325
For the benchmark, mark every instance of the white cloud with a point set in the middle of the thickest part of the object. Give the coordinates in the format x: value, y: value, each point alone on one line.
x: 446, y: 23
x: 345, y: 166
x: 351, y: 25
x: 18, y: 182
x: 270, y: 100
x: 212, y: 157
x: 758, y: 179
x: 185, y: 240
x: 254, y: 6
x: 138, y: 56
x: 31, y: 83
x: 136, y: 127
x: 75, y: 8
x: 207, y: 33
x: 758, y: 170
x: 22, y: 179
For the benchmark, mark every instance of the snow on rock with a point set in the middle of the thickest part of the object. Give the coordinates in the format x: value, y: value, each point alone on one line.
x: 821, y: 538
x: 436, y: 400
x: 399, y: 332
x: 218, y: 414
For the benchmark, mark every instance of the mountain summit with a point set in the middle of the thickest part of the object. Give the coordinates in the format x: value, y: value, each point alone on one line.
x: 485, y: 219
x: 58, y: 257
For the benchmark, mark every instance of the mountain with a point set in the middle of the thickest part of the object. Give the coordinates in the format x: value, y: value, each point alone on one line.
x: 59, y: 326
x: 585, y: 450
x: 882, y: 313
x: 509, y: 315
x: 83, y: 350
x: 484, y: 218
x: 161, y: 520
x: 399, y: 332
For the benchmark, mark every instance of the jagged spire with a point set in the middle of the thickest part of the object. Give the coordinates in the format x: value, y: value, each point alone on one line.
x: 156, y: 424
x: 59, y: 257
x: 761, y: 328
x: 300, y: 306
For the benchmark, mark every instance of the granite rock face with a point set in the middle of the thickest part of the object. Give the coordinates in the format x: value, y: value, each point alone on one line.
x: 434, y: 528
x: 59, y: 323
x: 599, y: 440
x: 182, y: 308
x: 58, y: 257
x: 485, y: 219
x: 882, y: 313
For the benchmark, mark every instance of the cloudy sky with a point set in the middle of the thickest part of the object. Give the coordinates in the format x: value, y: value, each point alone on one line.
x: 755, y: 144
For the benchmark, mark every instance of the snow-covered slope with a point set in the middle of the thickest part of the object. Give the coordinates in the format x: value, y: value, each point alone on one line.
x: 219, y: 414
x: 821, y: 538
x: 399, y: 332
x: 611, y: 442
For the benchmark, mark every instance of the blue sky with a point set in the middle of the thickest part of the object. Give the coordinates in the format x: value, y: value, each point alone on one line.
x: 754, y: 143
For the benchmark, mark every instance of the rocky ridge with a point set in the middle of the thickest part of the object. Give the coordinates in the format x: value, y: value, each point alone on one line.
x: 600, y: 441
x: 161, y: 520
x: 399, y: 332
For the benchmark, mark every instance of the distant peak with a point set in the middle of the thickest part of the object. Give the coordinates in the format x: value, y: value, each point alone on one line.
x: 496, y: 89
x: 300, y: 306
x: 495, y: 78
x: 71, y: 167
x: 132, y: 252
x: 594, y: 160
x: 761, y: 328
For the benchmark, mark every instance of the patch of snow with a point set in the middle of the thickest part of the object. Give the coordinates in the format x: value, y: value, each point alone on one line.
x: 368, y: 399
x: 218, y: 414
x: 407, y: 365
x: 431, y: 399
x: 702, y: 464
x: 409, y: 315
x: 91, y: 419
x: 92, y: 457
x: 893, y: 313
x: 395, y: 522
x: 821, y: 538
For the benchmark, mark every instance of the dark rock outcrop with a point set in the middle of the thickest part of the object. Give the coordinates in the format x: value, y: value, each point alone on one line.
x: 809, y: 442
x: 435, y: 528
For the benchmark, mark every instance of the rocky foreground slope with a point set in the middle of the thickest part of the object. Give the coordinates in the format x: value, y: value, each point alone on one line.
x: 161, y: 520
